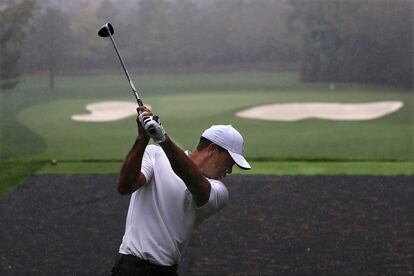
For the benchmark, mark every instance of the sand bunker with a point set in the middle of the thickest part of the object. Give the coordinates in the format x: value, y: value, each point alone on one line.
x: 118, y: 110
x: 107, y: 111
x: 328, y: 111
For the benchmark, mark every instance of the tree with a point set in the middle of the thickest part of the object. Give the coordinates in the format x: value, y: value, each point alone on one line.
x: 357, y: 41
x: 107, y: 12
x: 156, y: 41
x: 389, y: 26
x: 14, y: 19
x: 186, y: 20
x: 50, y: 40
x: 257, y: 33
x: 83, y: 26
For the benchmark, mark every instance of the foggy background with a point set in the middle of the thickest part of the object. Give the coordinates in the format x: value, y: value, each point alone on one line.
x: 369, y: 41
x: 323, y: 224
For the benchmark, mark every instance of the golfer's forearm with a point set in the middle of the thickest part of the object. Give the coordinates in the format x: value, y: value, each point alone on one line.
x: 130, y: 178
x: 185, y: 168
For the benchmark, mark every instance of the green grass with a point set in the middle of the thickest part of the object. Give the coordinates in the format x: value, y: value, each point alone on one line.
x: 14, y: 173
x: 273, y: 168
x: 91, y: 167
x: 185, y: 116
x: 331, y: 168
x: 36, y: 127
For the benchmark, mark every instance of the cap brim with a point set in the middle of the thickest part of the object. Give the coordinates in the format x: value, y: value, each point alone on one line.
x: 240, y: 161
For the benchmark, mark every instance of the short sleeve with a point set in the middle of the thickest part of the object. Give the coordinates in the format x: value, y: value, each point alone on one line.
x: 219, y: 197
x: 147, y: 167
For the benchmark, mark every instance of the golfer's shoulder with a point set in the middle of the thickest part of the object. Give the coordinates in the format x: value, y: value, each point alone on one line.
x: 218, y: 188
x: 155, y: 153
x: 154, y: 149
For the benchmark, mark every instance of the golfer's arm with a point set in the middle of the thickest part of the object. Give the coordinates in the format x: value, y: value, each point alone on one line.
x: 130, y: 178
x: 182, y: 165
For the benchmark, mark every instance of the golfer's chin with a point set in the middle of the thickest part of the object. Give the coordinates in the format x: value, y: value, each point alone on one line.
x: 214, y: 177
x: 220, y: 177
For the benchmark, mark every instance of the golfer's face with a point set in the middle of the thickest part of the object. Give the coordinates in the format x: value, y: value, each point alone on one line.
x: 221, y: 164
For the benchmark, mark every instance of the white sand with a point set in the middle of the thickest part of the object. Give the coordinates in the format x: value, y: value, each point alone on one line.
x: 328, y: 111
x: 117, y: 110
x: 107, y: 111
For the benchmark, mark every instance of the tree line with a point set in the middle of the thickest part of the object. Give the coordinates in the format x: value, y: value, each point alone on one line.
x: 357, y: 41
x: 327, y: 40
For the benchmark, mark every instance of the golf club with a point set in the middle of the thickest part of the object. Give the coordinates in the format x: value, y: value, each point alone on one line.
x: 107, y: 31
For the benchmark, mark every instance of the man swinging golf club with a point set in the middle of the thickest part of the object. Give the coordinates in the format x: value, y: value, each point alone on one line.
x: 172, y: 193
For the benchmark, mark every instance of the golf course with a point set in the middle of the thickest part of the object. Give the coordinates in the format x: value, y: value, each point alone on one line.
x: 322, y: 195
x: 37, y: 126
x: 321, y: 92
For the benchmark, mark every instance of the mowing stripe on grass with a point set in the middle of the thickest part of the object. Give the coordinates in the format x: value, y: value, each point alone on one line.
x: 274, y: 168
x: 14, y: 173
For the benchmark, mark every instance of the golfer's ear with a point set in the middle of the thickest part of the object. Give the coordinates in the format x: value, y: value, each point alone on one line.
x: 211, y: 147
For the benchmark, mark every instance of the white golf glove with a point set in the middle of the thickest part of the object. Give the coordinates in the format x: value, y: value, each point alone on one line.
x: 153, y: 127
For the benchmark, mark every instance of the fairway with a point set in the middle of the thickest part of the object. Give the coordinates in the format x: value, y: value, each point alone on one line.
x: 37, y: 126
x: 186, y: 114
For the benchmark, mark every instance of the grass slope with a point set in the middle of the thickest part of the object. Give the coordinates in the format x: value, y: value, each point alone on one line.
x: 14, y: 173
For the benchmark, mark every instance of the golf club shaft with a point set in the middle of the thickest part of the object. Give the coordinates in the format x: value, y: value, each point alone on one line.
x: 134, y: 91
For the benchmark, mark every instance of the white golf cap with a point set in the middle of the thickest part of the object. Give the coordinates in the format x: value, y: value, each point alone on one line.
x: 227, y: 137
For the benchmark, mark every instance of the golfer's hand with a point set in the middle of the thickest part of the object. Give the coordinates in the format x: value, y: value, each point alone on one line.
x: 141, y: 131
x: 152, y: 125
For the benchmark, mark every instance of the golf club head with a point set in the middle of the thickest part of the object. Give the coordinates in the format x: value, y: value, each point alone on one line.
x: 106, y: 30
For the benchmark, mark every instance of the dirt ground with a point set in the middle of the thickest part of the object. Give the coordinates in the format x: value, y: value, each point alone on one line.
x: 296, y: 225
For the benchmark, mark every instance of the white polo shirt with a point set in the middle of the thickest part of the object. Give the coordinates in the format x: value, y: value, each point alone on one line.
x: 162, y: 214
